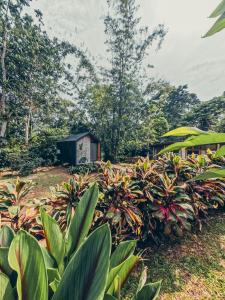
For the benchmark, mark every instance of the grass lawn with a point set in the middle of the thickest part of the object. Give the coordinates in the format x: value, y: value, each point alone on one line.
x: 43, y: 180
x: 193, y: 268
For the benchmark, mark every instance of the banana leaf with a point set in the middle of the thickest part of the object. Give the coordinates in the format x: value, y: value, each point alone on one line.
x: 220, y: 152
x: 202, y: 139
x: 86, y: 274
x: 149, y: 292
x: 120, y: 272
x: 54, y: 238
x: 6, y: 291
x: 210, y: 174
x: 82, y: 220
x: 182, y: 131
x: 4, y: 264
x: 26, y: 258
x: 6, y: 236
x: 122, y: 252
x: 220, y: 23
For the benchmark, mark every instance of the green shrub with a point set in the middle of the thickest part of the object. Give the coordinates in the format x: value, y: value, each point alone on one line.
x: 73, y: 266
x: 84, y: 169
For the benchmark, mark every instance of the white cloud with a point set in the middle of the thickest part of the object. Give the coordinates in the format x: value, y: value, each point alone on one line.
x: 184, y: 57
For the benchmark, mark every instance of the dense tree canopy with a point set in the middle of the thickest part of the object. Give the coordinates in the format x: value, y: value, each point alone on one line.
x: 52, y: 86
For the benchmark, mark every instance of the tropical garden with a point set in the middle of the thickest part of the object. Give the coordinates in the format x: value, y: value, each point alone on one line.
x: 131, y: 226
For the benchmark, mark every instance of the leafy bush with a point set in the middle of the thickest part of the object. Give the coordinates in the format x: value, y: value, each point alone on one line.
x: 66, y: 196
x: 71, y: 266
x: 15, y: 210
x: 84, y: 169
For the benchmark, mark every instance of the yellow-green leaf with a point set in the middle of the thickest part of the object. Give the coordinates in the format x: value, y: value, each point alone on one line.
x: 54, y: 238
x: 182, y: 131
x: 220, y: 152
x: 218, y: 26
x: 122, y: 252
x: 219, y: 10
x: 86, y: 274
x: 122, y: 271
x: 6, y: 236
x: 6, y: 291
x: 149, y: 291
x: 26, y: 258
x: 4, y: 264
x: 82, y: 220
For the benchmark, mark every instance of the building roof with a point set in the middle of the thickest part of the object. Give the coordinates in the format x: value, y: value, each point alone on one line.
x: 77, y: 137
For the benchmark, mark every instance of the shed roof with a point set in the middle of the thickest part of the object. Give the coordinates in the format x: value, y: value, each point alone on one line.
x: 77, y: 137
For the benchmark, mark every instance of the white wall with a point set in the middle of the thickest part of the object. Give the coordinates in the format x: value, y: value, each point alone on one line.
x: 84, y: 149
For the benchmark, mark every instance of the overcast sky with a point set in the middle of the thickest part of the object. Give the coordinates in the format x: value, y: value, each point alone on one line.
x: 185, y: 58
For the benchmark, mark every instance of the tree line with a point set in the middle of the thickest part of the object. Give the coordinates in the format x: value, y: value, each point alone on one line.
x: 49, y: 85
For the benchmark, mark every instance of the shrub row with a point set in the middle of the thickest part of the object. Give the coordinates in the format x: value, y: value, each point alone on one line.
x: 145, y: 201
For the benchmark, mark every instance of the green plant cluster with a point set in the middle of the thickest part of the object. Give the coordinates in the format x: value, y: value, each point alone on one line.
x: 149, y: 199
x: 71, y: 265
x: 41, y: 152
x: 84, y: 169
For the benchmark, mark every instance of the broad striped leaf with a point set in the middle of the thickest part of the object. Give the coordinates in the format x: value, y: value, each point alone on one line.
x: 203, y: 139
x: 82, y: 220
x: 220, y: 152
x: 209, y: 174
x: 48, y: 259
x: 149, y: 291
x: 26, y: 258
x: 86, y: 274
x: 6, y: 291
x: 109, y: 297
x: 53, y: 278
x: 122, y: 252
x: 4, y: 263
x: 143, y: 278
x: 6, y: 236
x: 122, y: 271
x: 182, y: 131
x: 54, y: 238
x: 218, y: 26
x: 219, y: 10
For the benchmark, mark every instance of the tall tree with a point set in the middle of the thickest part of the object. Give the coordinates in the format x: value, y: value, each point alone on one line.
x: 10, y: 12
x: 207, y: 115
x: 178, y: 103
x: 121, y: 94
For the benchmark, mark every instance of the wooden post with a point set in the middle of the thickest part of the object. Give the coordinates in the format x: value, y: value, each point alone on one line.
x: 99, y: 152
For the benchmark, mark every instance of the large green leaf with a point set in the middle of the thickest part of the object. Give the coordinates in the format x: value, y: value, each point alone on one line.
x: 220, y: 152
x: 48, y: 259
x: 86, y: 274
x: 219, y: 10
x: 209, y: 174
x: 53, y: 278
x: 109, y: 297
x: 26, y: 258
x: 120, y: 273
x: 182, y: 131
x: 202, y: 139
x: 149, y: 291
x: 6, y: 236
x: 218, y: 26
x: 4, y: 264
x: 122, y: 252
x: 54, y: 238
x: 82, y: 220
x: 6, y: 291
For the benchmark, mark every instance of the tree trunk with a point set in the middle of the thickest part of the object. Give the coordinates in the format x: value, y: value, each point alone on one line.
x: 27, y: 127
x: 4, y: 77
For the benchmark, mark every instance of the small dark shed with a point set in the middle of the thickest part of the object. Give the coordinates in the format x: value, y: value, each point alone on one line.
x: 79, y: 148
